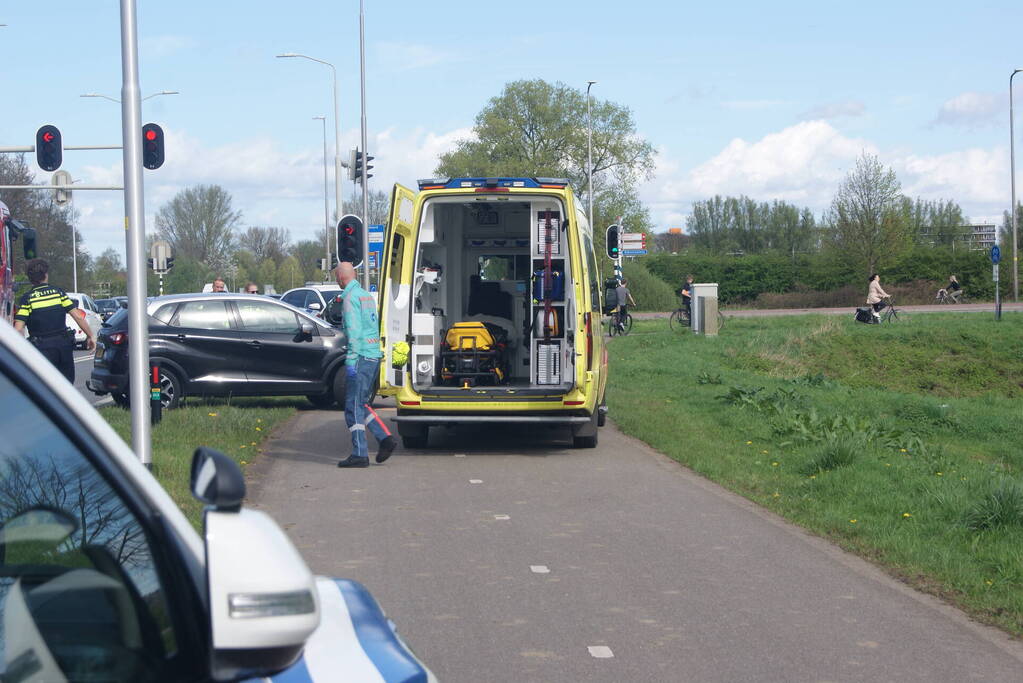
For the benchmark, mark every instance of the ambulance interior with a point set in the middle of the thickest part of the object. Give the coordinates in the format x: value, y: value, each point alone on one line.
x: 485, y: 311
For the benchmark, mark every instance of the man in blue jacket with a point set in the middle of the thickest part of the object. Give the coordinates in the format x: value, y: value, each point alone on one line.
x: 362, y: 366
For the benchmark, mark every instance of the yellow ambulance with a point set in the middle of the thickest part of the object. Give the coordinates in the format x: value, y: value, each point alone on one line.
x: 490, y: 308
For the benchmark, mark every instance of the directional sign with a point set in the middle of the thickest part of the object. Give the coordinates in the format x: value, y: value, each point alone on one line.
x: 633, y: 252
x: 633, y: 236
x: 996, y: 254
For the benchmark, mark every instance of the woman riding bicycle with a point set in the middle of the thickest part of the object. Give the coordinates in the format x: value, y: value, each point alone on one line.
x: 876, y: 296
x: 952, y: 291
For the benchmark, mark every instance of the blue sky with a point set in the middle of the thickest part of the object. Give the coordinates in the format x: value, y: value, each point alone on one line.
x: 771, y: 99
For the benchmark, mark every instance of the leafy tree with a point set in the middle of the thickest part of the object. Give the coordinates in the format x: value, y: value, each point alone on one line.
x: 308, y: 254
x: 732, y: 225
x: 1005, y: 231
x: 108, y: 268
x: 199, y: 223
x: 539, y: 129
x: 265, y: 243
x: 289, y: 274
x: 866, y: 219
x: 934, y: 223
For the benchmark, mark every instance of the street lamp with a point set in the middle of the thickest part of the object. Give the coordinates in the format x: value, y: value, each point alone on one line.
x: 326, y: 202
x: 589, y: 151
x: 1012, y: 174
x: 147, y: 97
x: 337, y: 131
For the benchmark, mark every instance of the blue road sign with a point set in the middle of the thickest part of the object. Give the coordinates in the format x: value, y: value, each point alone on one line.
x: 633, y: 252
x: 996, y: 254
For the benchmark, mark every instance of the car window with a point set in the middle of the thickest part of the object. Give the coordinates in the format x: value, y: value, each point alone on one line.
x: 164, y: 313
x: 263, y: 316
x: 81, y: 595
x: 296, y: 298
x: 207, y: 314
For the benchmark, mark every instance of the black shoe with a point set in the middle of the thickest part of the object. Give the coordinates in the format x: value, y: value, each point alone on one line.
x: 353, y: 461
x: 386, y: 448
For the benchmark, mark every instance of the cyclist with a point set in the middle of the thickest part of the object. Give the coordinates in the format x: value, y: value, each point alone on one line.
x: 876, y: 296
x: 687, y: 296
x: 953, y: 290
x: 624, y: 299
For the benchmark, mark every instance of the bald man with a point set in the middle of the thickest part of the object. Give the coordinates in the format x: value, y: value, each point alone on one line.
x: 362, y: 366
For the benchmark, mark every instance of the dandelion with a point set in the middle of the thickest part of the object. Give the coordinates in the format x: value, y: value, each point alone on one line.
x: 902, y: 450
x: 212, y: 414
x: 253, y: 443
x: 244, y: 462
x: 813, y: 476
x: 259, y: 419
x: 749, y: 443
x: 906, y: 515
x: 887, y: 464
x: 776, y: 495
x: 764, y: 452
x: 259, y: 429
x: 852, y: 521
x: 989, y: 582
x: 774, y: 464
x: 938, y: 474
x: 242, y: 446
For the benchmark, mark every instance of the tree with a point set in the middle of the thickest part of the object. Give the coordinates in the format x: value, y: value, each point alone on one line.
x: 289, y: 274
x: 379, y: 206
x: 866, y: 220
x: 935, y: 223
x: 1005, y: 230
x: 107, y: 268
x: 265, y: 243
x: 308, y: 254
x: 199, y: 223
x: 539, y: 129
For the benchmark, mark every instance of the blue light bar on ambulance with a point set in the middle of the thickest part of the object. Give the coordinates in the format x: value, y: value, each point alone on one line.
x: 490, y: 184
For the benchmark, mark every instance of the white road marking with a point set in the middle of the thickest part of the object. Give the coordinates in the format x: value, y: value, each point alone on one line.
x: 475, y: 481
x: 106, y: 400
x: 459, y: 455
x: 539, y: 569
x: 82, y: 359
x: 501, y: 517
x: 600, y: 651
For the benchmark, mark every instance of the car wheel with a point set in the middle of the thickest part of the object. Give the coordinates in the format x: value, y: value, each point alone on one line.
x: 322, y: 401
x: 121, y: 399
x: 412, y: 442
x: 414, y: 436
x: 602, y: 414
x: 589, y: 440
x: 170, y: 389
x: 339, y: 387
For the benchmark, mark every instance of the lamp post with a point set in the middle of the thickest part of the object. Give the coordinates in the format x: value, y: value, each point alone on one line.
x: 337, y: 130
x: 326, y: 202
x: 589, y: 153
x: 1012, y: 175
x: 365, y: 151
x: 147, y: 97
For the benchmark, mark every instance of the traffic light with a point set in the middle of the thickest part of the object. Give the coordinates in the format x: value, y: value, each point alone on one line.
x: 49, y: 150
x: 170, y: 262
x: 613, y: 242
x: 362, y: 166
x: 349, y: 239
x: 152, y: 146
x: 351, y: 163
x: 151, y: 263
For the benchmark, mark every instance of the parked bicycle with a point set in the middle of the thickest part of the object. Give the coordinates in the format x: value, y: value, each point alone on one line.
x: 619, y: 324
x: 680, y: 322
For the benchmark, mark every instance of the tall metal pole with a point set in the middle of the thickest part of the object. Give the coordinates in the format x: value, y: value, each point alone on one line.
x: 1012, y: 174
x: 365, y: 150
x: 589, y: 154
x: 74, y: 247
x: 326, y: 202
x: 135, y: 236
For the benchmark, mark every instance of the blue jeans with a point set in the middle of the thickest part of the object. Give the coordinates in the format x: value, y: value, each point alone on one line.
x: 358, y: 413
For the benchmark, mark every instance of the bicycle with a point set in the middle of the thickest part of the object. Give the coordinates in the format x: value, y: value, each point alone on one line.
x: 616, y: 325
x: 892, y: 314
x: 945, y: 297
x: 679, y: 321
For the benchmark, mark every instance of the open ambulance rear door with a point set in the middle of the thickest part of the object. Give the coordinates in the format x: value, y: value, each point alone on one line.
x: 395, y: 288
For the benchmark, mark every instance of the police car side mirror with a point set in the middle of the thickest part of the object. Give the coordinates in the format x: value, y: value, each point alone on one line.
x: 262, y: 597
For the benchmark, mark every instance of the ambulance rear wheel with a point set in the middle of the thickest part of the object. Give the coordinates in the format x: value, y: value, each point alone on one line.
x: 586, y: 436
x: 414, y: 436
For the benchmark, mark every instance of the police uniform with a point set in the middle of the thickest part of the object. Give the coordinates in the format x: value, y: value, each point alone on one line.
x: 43, y: 309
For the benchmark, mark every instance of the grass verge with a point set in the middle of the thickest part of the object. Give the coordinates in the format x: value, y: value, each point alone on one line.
x: 237, y: 428
x: 845, y: 430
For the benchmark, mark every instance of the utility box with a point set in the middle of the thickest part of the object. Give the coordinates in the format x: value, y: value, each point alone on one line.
x: 709, y: 315
x: 705, y: 290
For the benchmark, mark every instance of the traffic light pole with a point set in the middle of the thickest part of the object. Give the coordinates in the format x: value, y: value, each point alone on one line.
x: 618, y: 261
x: 365, y: 149
x: 135, y: 236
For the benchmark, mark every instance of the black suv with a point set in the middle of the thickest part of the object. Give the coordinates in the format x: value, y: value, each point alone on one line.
x: 226, y: 344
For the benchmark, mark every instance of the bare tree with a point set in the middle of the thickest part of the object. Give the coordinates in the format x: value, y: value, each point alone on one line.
x: 266, y: 243
x: 867, y: 223
x: 199, y: 223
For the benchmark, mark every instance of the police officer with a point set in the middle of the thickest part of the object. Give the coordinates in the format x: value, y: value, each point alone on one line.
x: 42, y: 309
x: 362, y: 364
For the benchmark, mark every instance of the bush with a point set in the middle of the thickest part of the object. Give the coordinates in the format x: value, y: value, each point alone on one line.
x: 1000, y: 506
x: 650, y: 292
x: 832, y: 455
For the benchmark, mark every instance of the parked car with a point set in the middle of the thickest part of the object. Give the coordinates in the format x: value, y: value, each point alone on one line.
x: 112, y: 583
x: 92, y: 317
x: 311, y: 298
x: 107, y: 307
x: 226, y: 344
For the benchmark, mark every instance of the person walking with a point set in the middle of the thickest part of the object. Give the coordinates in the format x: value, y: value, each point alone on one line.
x: 624, y: 298
x: 362, y: 366
x: 876, y: 296
x: 43, y: 310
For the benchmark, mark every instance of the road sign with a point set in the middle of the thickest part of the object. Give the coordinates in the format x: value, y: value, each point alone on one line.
x: 633, y: 236
x: 633, y: 252
x: 996, y: 254
x: 160, y: 252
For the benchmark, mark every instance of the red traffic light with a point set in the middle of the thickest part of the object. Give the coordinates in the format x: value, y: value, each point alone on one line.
x: 152, y: 146
x: 150, y: 135
x: 349, y: 229
x: 47, y: 136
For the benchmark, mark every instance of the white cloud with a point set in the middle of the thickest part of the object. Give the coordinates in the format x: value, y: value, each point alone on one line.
x: 834, y: 110
x: 970, y: 109
x: 804, y: 164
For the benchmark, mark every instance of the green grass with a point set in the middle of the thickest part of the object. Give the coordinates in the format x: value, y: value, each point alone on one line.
x: 237, y: 428
x: 903, y: 444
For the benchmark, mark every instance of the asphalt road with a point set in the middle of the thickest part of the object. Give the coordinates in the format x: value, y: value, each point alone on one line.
x: 83, y: 368
x: 1007, y: 307
x: 504, y: 555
